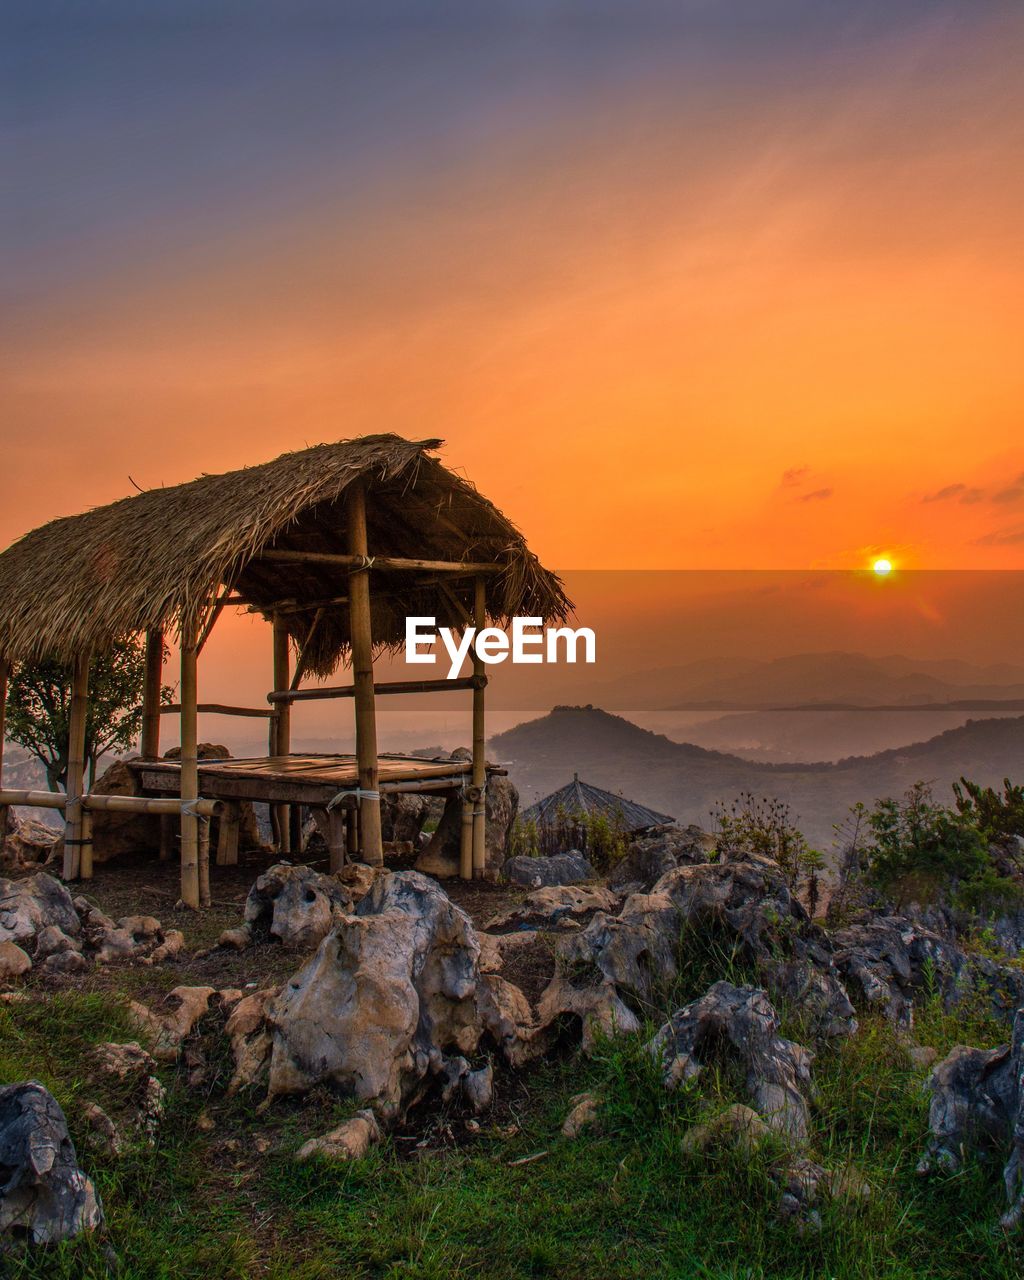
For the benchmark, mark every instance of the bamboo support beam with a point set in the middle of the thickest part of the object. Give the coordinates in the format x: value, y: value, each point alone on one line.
x: 204, y: 861
x: 149, y: 747
x: 76, y: 767
x: 360, y: 560
x: 303, y: 659
x: 151, y: 805
x: 479, y: 739
x: 228, y: 836
x: 217, y: 709
x: 337, y: 843
x: 285, y: 696
x: 189, y: 773
x: 371, y: 848
x: 283, y: 735
x: 466, y: 840
x: 37, y: 799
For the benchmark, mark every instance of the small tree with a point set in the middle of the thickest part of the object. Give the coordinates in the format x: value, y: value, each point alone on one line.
x: 765, y: 825
x: 39, y: 707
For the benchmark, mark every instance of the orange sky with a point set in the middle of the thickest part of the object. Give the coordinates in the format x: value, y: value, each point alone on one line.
x: 772, y: 320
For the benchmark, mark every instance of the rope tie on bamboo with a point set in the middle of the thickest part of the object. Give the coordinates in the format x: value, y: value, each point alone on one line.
x: 189, y: 808
x: 359, y: 792
x: 366, y: 562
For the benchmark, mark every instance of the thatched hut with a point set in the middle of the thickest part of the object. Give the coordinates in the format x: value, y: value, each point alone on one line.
x: 335, y: 546
x: 579, y: 802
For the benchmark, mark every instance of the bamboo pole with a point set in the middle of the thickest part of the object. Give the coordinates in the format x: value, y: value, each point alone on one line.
x: 219, y: 709
x: 76, y: 767
x: 85, y: 848
x: 283, y: 737
x: 466, y: 839
x: 479, y: 740
x: 336, y: 840
x: 227, y: 839
x: 370, y: 845
x: 189, y: 772
x: 204, y: 861
x: 360, y: 559
x: 149, y: 747
x: 282, y: 697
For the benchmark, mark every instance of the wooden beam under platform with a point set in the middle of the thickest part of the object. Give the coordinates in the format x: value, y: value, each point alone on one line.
x: 354, y: 562
x: 389, y: 686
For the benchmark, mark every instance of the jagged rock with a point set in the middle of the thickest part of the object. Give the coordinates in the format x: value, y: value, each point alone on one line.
x: 358, y: 878
x: 890, y: 959
x: 141, y: 1096
x: 738, y: 1127
x: 114, y: 834
x: 402, y: 816
x: 560, y: 868
x: 44, y: 1195
x: 747, y: 907
x: 104, y: 1134
x: 296, y: 905
x: 171, y: 947
x: 237, y: 939
x: 388, y: 997
x: 506, y: 1015
x: 167, y: 1030
x: 582, y: 1115
x: 28, y: 906
x: 441, y: 854
x: 978, y: 1099
x: 742, y: 1022
x: 51, y: 940
x: 63, y: 962
x: 27, y: 842
x: 549, y: 905
x: 599, y: 1008
x: 13, y: 961
x: 250, y: 1038
x: 652, y: 856
x: 476, y: 1086
x: 349, y: 1141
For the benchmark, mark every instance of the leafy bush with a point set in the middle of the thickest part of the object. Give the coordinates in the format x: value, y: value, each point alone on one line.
x: 920, y: 849
x: 602, y: 838
x: 765, y: 825
x: 996, y: 816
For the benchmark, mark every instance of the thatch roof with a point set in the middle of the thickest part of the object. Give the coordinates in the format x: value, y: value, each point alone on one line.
x: 159, y: 558
x: 582, y: 800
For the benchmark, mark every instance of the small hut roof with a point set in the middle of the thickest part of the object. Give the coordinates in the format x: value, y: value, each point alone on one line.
x: 582, y: 799
x: 158, y: 559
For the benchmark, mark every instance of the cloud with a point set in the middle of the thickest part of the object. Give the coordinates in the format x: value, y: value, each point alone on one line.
x: 816, y: 495
x: 957, y: 492
x: 1001, y: 538
x: 1013, y: 494
x: 793, y: 476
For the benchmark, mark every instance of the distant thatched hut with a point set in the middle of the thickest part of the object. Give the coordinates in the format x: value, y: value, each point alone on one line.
x: 579, y: 813
x: 297, y: 540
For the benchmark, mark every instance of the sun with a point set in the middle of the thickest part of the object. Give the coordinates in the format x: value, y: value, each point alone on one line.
x: 882, y: 567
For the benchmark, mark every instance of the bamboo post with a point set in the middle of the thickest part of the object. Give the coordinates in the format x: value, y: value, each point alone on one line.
x: 227, y: 836
x: 85, y: 848
x: 466, y: 841
x: 189, y: 770
x: 336, y: 841
x: 479, y: 740
x: 149, y: 746
x: 203, y: 825
x: 282, y: 735
x: 76, y: 766
x: 370, y: 846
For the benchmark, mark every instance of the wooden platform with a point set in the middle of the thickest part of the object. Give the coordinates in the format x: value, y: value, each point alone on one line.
x: 314, y: 780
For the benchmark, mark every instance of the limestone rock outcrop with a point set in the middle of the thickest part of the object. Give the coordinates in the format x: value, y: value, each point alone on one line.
x: 978, y: 1099
x: 294, y: 905
x: 387, y: 1000
x: 742, y: 1023
x: 560, y: 868
x: 652, y: 856
x: 44, y: 1196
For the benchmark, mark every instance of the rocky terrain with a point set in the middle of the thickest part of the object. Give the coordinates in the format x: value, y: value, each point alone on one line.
x: 356, y: 1013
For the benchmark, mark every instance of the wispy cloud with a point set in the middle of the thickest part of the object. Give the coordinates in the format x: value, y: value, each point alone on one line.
x: 793, y: 476
x: 958, y: 492
x: 816, y: 495
x: 1001, y: 538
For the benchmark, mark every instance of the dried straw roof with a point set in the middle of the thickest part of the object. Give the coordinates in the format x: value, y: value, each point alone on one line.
x: 158, y: 559
x: 582, y: 799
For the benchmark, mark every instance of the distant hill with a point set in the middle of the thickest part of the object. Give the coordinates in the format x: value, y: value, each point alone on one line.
x: 834, y: 679
x: 687, y: 781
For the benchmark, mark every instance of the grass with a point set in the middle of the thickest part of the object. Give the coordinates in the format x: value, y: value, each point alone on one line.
x: 623, y: 1204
